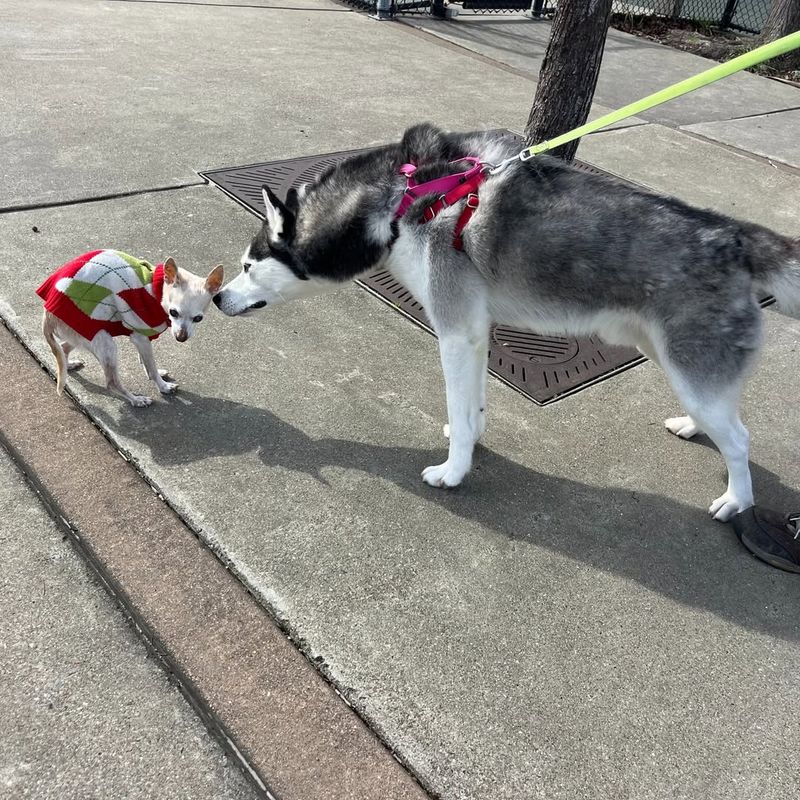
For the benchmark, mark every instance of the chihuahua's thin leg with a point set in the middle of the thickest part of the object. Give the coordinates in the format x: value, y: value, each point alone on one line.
x: 105, y: 350
x: 162, y: 372
x: 72, y: 363
x: 148, y: 360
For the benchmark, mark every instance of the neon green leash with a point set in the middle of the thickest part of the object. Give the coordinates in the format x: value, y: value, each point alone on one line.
x: 750, y: 59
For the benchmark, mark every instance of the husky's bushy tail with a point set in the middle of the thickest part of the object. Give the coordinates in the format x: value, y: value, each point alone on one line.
x: 774, y: 262
x: 49, y: 332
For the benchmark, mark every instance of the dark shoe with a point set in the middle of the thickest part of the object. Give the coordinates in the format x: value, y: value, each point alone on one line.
x: 770, y: 536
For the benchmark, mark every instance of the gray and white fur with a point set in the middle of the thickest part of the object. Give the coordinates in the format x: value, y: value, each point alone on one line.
x: 551, y: 249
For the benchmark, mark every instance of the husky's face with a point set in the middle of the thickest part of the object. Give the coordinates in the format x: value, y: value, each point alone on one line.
x: 266, y: 281
x: 269, y: 273
x: 187, y: 296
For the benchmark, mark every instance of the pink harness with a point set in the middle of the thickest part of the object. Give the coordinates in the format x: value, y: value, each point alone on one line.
x: 451, y: 189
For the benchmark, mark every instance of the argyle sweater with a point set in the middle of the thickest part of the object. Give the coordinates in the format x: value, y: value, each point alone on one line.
x: 107, y: 290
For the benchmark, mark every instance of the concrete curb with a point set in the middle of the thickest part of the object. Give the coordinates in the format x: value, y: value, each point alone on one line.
x: 288, y: 729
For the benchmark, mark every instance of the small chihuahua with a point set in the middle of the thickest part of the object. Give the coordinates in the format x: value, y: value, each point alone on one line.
x: 107, y: 293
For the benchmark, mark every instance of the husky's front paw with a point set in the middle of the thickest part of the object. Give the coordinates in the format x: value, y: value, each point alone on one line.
x: 444, y: 476
x: 140, y: 401
x: 74, y: 364
x: 165, y: 387
x: 723, y: 508
x: 684, y: 427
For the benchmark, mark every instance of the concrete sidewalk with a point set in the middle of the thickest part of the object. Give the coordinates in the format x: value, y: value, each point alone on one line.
x: 86, y: 712
x: 570, y: 623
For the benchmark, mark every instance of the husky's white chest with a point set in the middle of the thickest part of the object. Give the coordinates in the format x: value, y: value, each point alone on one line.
x: 408, y: 262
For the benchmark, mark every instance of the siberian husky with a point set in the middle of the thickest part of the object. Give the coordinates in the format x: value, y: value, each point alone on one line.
x: 549, y: 248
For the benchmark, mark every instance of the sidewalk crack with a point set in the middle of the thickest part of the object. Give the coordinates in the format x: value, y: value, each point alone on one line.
x: 97, y: 198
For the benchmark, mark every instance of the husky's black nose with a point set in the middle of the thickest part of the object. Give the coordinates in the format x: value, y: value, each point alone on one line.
x: 217, y: 299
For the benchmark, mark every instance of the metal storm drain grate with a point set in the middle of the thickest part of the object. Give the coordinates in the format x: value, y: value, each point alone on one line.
x: 544, y: 368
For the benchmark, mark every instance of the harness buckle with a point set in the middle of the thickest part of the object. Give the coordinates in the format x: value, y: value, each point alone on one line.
x: 473, y: 200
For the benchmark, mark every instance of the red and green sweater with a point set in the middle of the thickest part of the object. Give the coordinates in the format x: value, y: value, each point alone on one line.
x: 107, y: 290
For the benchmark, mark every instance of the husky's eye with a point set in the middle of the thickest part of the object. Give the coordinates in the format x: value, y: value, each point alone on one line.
x: 246, y: 266
x: 198, y: 318
x: 173, y: 313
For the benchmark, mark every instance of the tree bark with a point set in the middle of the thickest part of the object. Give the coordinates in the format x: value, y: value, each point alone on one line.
x: 569, y: 73
x: 783, y: 19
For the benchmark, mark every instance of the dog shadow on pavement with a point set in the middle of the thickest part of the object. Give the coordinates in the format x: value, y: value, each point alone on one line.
x: 669, y: 547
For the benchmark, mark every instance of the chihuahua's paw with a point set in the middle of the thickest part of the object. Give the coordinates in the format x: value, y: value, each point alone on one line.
x: 140, y: 401
x: 165, y: 387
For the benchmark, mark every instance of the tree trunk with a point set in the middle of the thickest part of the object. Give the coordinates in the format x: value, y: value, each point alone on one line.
x: 569, y: 72
x: 783, y: 19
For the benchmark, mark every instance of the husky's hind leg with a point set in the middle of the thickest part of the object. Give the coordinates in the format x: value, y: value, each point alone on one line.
x: 708, y: 377
x: 718, y: 416
x: 685, y: 426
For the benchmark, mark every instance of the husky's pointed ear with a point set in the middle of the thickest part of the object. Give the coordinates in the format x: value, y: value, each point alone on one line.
x: 422, y: 144
x: 171, y: 274
x: 292, y: 200
x: 215, y: 279
x: 280, y: 220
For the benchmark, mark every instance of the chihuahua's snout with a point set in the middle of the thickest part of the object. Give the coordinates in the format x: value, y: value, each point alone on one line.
x: 181, y: 335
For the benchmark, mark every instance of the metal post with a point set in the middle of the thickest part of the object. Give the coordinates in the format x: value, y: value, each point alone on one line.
x: 727, y: 14
x: 677, y: 9
x: 438, y: 9
x: 383, y: 9
x: 537, y: 8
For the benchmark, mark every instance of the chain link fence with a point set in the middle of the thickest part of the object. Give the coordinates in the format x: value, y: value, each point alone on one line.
x: 741, y: 15
x: 438, y: 8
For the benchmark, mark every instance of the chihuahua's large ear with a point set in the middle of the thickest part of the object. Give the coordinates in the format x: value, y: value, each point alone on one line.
x: 215, y: 279
x: 280, y: 220
x: 171, y: 271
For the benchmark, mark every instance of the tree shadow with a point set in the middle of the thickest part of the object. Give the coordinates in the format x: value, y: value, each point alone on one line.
x: 664, y: 545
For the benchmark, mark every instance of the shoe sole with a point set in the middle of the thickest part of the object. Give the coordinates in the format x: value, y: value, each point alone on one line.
x: 773, y: 561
